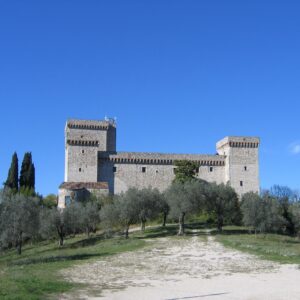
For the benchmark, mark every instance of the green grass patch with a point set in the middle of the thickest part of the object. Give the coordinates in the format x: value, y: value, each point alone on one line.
x: 35, y: 273
x: 275, y: 247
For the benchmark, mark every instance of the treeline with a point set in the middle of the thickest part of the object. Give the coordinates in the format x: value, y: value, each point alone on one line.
x: 25, y: 218
x: 276, y: 210
x: 28, y: 217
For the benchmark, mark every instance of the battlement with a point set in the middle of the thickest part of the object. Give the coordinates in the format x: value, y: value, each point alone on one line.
x: 240, y: 142
x: 164, y: 158
x: 91, y: 124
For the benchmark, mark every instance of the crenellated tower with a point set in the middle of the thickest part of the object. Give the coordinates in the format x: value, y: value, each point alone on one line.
x: 241, y: 163
x: 83, y: 140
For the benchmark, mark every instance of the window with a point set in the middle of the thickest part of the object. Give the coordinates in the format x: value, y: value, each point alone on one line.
x: 143, y: 169
x: 197, y: 170
x: 114, y: 169
x: 67, y: 200
x: 156, y: 171
x: 211, y: 169
x: 241, y: 183
x: 79, y: 170
x: 245, y: 168
x: 82, y: 151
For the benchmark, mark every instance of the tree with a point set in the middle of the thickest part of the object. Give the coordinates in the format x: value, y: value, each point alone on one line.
x: 184, y: 198
x: 221, y: 200
x: 272, y: 220
x: 90, y: 217
x: 124, y: 211
x: 72, y: 218
x: 252, y: 209
x: 19, y: 220
x: 185, y: 170
x: 294, y: 210
x: 261, y: 213
x: 27, y: 173
x: 164, y: 208
x: 49, y: 201
x: 12, y: 178
x: 285, y: 197
x: 148, y: 205
x: 55, y: 222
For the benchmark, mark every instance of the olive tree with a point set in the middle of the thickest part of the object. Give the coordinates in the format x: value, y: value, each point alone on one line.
x: 123, y: 211
x: 252, y: 209
x: 221, y: 200
x: 18, y: 220
x: 148, y: 205
x: 89, y: 217
x: 261, y: 213
x: 183, y: 199
x: 164, y: 208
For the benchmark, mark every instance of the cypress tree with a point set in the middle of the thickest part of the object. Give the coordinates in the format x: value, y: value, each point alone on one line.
x: 27, y: 174
x: 12, y: 177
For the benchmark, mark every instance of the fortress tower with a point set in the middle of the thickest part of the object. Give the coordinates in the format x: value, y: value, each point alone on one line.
x: 84, y: 139
x: 241, y: 163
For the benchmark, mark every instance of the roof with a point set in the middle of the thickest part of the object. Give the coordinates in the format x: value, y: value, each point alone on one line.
x: 84, y: 185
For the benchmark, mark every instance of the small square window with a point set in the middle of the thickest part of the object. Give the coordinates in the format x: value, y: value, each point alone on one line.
x: 197, y: 170
x: 156, y: 171
x: 82, y: 151
x: 143, y: 169
x: 245, y: 168
x: 79, y: 169
x: 211, y: 169
x: 241, y: 183
x: 114, y: 169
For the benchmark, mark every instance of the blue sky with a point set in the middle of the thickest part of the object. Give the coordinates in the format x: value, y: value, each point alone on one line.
x: 178, y: 75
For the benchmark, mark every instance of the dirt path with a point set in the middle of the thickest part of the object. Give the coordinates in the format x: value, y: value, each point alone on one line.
x: 185, y: 268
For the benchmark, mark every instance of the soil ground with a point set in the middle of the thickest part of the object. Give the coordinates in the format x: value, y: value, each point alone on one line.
x: 176, y: 268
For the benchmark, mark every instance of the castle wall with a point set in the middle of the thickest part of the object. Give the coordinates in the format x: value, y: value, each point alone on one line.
x: 121, y: 176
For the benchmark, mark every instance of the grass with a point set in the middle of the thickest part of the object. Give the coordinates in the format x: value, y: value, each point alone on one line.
x: 274, y: 247
x: 35, y: 273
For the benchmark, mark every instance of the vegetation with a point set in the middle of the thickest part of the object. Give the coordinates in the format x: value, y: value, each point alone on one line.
x: 275, y: 247
x: 27, y: 174
x: 36, y: 273
x: 89, y: 228
x: 12, y: 181
x: 185, y: 170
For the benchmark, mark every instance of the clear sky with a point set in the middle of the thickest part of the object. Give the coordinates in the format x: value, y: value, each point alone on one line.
x: 178, y: 75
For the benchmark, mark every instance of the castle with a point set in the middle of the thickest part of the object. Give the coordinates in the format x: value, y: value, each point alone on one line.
x: 93, y: 165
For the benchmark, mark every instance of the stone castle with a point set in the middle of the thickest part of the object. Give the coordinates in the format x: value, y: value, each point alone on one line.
x: 93, y: 164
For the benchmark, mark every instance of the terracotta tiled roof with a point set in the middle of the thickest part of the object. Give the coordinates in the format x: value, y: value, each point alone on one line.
x: 84, y: 185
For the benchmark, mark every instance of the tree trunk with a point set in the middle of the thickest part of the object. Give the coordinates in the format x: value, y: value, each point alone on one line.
x: 220, y: 223
x: 61, y: 235
x: 20, y: 244
x: 126, y: 231
x: 61, y: 240
x: 164, y: 219
x: 181, y: 224
x: 143, y: 225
